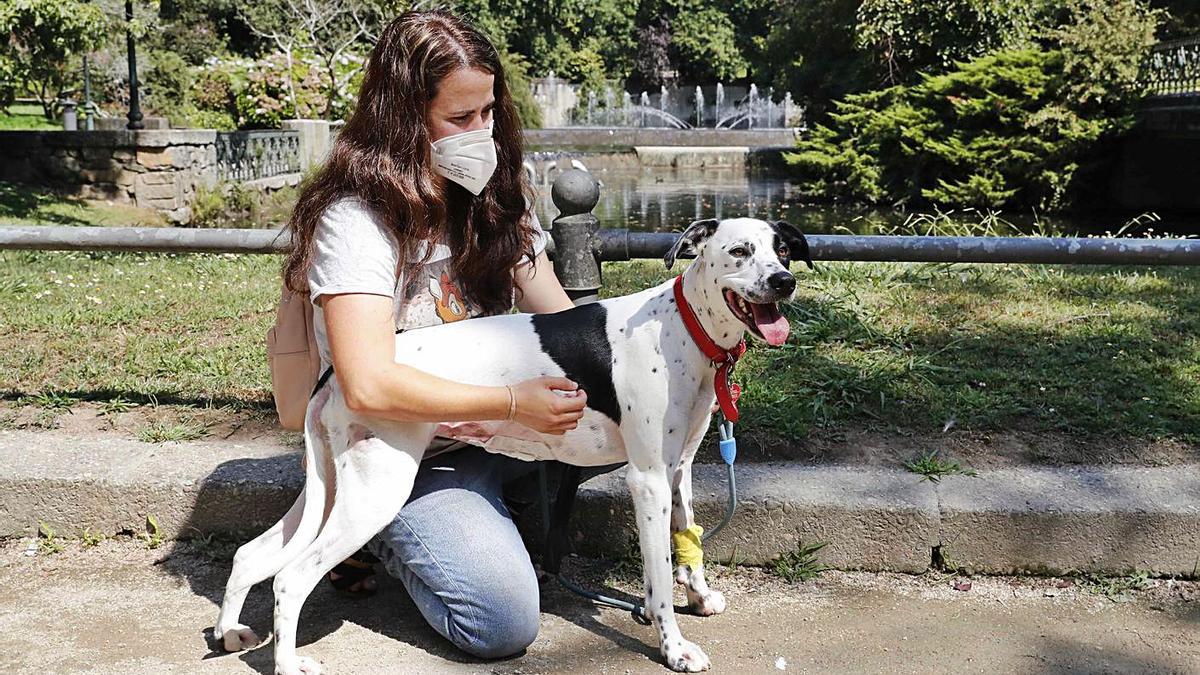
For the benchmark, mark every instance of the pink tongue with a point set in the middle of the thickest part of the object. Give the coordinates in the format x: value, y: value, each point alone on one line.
x: 773, y: 325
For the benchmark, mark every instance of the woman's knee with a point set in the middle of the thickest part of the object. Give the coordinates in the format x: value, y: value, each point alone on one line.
x: 500, y: 625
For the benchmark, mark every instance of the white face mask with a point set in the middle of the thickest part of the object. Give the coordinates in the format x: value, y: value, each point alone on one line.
x: 468, y: 159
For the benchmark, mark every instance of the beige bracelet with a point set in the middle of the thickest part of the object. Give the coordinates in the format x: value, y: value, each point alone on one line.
x: 512, y: 403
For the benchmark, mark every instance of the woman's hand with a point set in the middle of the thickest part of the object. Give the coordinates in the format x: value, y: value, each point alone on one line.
x: 550, y: 405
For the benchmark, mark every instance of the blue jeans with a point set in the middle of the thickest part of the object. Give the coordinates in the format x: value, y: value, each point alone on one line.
x: 457, y: 551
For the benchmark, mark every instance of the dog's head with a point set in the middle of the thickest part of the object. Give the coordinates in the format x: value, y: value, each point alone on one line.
x: 747, y: 262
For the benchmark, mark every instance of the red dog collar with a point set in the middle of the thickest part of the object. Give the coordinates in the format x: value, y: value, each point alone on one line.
x: 724, y: 359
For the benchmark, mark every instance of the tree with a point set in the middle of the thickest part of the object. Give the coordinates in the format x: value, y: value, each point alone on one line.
x: 45, y: 37
x: 328, y: 29
x: 809, y: 49
x: 1182, y: 19
x: 906, y: 37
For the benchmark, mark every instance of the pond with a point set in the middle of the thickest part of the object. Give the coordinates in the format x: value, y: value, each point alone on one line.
x: 669, y: 199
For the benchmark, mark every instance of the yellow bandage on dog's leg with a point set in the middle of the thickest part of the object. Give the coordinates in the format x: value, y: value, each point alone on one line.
x: 686, y: 545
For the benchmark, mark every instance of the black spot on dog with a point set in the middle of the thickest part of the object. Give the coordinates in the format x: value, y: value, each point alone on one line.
x: 662, y: 605
x: 654, y: 370
x: 670, y: 431
x: 664, y: 510
x: 577, y: 340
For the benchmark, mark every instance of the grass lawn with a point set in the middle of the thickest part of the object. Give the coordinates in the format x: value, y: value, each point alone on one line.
x: 29, y: 205
x: 24, y: 117
x: 1094, y: 354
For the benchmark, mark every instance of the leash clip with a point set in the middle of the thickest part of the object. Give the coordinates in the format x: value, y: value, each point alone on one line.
x: 727, y: 444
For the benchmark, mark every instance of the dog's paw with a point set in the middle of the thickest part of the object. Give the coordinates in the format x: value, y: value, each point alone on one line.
x: 708, y: 604
x: 684, y: 657
x: 239, y: 637
x: 301, y: 665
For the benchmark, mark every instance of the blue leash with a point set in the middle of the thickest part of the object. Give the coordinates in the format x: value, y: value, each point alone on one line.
x: 727, y: 446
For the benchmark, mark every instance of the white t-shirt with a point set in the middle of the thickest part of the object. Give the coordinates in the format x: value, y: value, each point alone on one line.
x: 355, y: 252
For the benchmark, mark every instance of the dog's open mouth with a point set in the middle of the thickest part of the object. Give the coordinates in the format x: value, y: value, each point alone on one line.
x: 763, y: 319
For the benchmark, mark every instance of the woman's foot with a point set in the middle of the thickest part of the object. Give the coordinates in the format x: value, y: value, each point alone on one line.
x: 355, y: 576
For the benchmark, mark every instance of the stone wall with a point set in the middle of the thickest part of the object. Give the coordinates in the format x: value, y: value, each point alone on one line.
x: 158, y: 169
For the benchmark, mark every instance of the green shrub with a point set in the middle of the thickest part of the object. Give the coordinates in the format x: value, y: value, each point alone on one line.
x: 237, y: 205
x: 168, y: 81
x: 516, y: 73
x: 1013, y: 128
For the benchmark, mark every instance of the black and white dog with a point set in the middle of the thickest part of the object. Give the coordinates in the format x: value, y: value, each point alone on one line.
x: 650, y: 398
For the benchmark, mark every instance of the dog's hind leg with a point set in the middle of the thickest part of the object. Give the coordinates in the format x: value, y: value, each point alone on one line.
x: 265, y: 555
x: 252, y: 564
x: 374, y: 480
x: 651, y: 493
x: 701, y: 599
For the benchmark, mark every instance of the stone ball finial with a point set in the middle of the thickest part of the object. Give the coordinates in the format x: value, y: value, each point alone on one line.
x: 575, y: 192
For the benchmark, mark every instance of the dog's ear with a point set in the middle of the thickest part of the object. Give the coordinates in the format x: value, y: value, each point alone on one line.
x: 696, y: 234
x: 796, y: 243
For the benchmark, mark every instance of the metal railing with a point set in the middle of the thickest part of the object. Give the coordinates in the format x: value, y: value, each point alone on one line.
x: 1173, y: 69
x: 578, y: 244
x: 251, y: 155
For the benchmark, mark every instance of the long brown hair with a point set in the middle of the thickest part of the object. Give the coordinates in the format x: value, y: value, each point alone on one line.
x: 382, y: 156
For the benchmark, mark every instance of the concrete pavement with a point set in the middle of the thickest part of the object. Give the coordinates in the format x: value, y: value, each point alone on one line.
x: 120, y: 608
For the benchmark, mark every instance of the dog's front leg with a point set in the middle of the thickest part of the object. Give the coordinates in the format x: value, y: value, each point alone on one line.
x: 701, y: 599
x: 651, y: 493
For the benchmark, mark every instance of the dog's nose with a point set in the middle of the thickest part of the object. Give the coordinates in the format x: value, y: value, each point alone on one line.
x: 782, y: 282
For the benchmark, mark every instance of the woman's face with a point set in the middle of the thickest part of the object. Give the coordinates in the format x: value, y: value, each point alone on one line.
x: 463, y: 103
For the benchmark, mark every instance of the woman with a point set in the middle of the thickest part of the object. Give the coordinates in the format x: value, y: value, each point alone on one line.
x: 405, y: 226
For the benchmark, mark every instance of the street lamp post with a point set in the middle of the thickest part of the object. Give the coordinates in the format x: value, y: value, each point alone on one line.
x: 135, y: 111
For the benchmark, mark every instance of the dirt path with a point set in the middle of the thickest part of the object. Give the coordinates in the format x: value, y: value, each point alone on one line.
x: 119, y: 608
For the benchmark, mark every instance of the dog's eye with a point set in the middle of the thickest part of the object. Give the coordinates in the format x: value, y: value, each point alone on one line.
x: 782, y: 252
x: 739, y: 252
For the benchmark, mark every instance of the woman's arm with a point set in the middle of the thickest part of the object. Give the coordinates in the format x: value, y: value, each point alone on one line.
x: 540, y: 290
x: 362, y: 347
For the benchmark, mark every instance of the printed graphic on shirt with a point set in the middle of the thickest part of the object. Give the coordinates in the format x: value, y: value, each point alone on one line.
x: 447, y: 299
x: 433, y: 297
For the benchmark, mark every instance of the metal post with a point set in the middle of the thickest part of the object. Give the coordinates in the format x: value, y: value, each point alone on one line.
x: 70, y: 120
x: 575, y: 194
x: 89, y: 123
x: 135, y: 111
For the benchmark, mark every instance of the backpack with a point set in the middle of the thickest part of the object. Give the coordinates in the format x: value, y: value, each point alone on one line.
x: 292, y: 353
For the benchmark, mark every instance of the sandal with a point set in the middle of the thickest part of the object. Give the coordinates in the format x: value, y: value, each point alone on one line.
x: 355, y: 576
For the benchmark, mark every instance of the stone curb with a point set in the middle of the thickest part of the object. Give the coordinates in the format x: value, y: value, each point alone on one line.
x: 1053, y: 520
